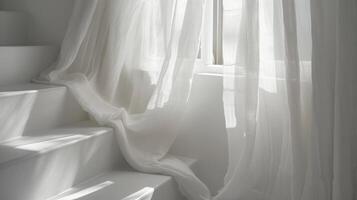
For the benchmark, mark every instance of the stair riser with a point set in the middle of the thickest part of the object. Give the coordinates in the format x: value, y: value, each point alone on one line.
x: 42, y: 176
x: 169, y: 190
x: 13, y: 28
x: 54, y: 108
x: 23, y: 63
x: 15, y: 108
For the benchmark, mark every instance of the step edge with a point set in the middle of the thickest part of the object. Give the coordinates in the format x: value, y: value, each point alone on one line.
x: 92, y: 181
x: 16, y: 93
x: 21, y: 88
x: 32, y: 154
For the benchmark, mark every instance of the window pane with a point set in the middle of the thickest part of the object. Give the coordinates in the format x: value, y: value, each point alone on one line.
x: 231, y: 4
x: 231, y: 19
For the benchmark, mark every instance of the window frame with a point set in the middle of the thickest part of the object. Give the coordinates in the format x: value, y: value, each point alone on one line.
x: 218, y: 32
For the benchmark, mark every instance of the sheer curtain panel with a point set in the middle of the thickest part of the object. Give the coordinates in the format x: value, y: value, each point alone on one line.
x: 129, y: 63
x: 290, y: 97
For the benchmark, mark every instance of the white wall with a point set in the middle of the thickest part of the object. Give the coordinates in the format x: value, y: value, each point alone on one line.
x: 47, y: 18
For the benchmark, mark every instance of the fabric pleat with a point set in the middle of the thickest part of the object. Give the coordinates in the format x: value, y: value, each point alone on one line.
x: 289, y: 97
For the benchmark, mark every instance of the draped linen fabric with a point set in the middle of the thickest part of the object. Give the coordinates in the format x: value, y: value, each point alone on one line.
x: 293, y: 102
x: 290, y: 102
x: 129, y: 63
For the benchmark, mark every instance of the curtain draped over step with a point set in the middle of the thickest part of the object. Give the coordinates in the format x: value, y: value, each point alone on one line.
x: 129, y: 64
x: 290, y: 102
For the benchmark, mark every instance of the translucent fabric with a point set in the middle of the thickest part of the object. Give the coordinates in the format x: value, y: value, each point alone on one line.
x: 129, y: 63
x: 289, y: 95
x: 288, y: 102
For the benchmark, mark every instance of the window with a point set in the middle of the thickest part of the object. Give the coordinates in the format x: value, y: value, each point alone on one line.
x: 226, y: 15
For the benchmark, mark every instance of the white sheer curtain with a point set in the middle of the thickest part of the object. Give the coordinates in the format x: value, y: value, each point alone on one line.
x: 290, y: 101
x: 292, y: 98
x: 129, y: 63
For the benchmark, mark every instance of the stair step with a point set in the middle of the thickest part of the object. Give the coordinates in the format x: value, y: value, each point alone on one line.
x: 54, y: 106
x: 15, y: 107
x: 20, y: 64
x: 13, y: 28
x: 116, y: 185
x: 43, y: 166
x: 145, y: 193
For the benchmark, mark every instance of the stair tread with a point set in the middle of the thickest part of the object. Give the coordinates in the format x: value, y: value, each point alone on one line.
x: 27, y: 87
x: 119, y: 185
x: 115, y: 185
x: 49, y: 140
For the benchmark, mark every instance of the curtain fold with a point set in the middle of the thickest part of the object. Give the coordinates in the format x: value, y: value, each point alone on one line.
x: 302, y: 146
x: 289, y: 100
x: 129, y: 63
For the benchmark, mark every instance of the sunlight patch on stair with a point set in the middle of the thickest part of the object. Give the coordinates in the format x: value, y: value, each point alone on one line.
x: 53, y: 143
x: 143, y: 194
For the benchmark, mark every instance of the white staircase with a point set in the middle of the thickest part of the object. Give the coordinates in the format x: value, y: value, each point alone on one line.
x: 48, y: 147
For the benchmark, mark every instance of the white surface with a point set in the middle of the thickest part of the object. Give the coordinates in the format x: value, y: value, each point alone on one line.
x: 124, y: 183
x: 20, y: 64
x: 15, y: 109
x: 47, y: 21
x: 54, y: 106
x: 144, y: 194
x: 35, y: 168
x: 13, y: 28
x: 117, y: 185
